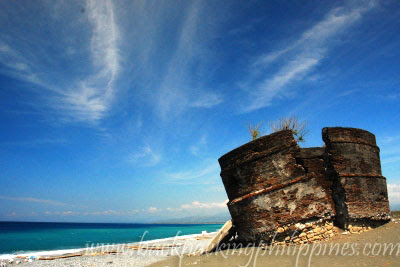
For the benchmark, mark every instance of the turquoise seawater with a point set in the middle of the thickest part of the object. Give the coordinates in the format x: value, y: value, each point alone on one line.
x: 17, y: 237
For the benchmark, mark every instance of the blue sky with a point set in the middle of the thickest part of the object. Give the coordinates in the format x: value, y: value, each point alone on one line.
x: 117, y: 111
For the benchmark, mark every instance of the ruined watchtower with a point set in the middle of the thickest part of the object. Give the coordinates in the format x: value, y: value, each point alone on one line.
x: 353, y: 164
x: 273, y: 185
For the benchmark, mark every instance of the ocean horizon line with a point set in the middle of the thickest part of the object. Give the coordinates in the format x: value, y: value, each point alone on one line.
x: 156, y: 223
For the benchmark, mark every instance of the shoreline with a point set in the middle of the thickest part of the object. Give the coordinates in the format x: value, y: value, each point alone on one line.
x: 142, y: 252
x: 380, y: 246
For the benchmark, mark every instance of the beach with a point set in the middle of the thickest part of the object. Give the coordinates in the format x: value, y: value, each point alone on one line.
x: 378, y: 247
x: 133, y: 254
x: 130, y: 244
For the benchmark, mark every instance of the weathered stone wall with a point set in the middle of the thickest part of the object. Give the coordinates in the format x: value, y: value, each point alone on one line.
x: 353, y: 164
x: 273, y: 185
x: 264, y: 162
x: 312, y: 160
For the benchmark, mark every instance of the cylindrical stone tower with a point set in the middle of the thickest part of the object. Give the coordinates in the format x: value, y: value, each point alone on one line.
x: 353, y: 164
x: 269, y: 188
x: 264, y: 162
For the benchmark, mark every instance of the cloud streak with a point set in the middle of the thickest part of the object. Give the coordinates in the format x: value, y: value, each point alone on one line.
x: 92, y: 213
x: 189, y: 207
x: 195, y: 148
x: 145, y: 157
x: 178, y: 91
x: 33, y: 200
x: 84, y: 94
x: 394, y: 193
x: 196, y: 205
x: 37, y: 142
x: 19, y: 67
x: 93, y: 56
x: 300, y: 57
x: 390, y: 150
x: 187, y: 176
x: 93, y: 96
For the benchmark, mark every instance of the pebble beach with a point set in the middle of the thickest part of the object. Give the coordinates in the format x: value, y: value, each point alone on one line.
x: 134, y: 254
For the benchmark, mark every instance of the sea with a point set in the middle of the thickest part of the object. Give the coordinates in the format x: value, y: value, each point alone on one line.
x: 29, y: 237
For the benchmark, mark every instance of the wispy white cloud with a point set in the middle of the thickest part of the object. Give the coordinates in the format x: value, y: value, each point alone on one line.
x: 193, y: 207
x: 18, y: 66
x: 390, y: 139
x: 389, y: 149
x: 83, y: 79
x: 33, y: 200
x: 394, y: 193
x: 393, y: 96
x: 178, y: 90
x: 195, y: 148
x: 209, y: 169
x: 153, y: 210
x: 92, y: 213
x: 93, y: 95
x: 145, y: 157
x: 391, y: 159
x: 301, y: 56
x: 206, y: 100
x: 196, y: 205
x: 86, y: 97
x: 204, y: 205
x: 272, y: 87
x: 37, y: 142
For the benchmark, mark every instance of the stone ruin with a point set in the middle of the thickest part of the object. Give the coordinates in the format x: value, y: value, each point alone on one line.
x: 281, y: 193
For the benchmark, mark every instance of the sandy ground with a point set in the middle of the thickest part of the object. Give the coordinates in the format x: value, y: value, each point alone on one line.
x: 372, y: 248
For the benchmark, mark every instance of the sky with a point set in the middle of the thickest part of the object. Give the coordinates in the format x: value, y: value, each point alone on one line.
x: 117, y: 111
